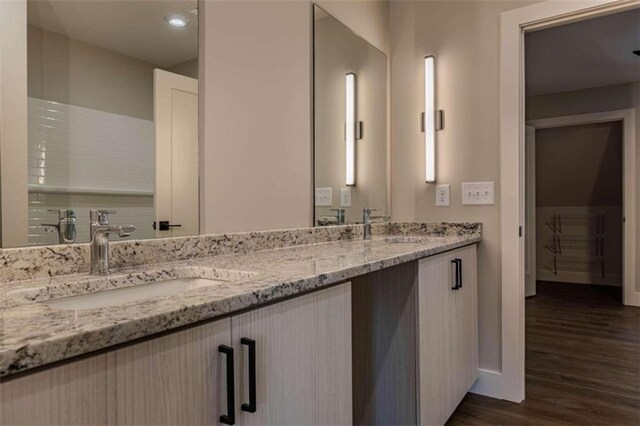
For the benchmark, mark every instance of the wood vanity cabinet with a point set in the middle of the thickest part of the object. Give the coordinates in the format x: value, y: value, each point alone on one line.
x: 447, y: 332
x: 302, y: 373
x: 303, y: 360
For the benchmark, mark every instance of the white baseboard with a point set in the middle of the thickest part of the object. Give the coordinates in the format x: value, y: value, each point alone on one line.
x: 489, y: 383
x: 632, y: 298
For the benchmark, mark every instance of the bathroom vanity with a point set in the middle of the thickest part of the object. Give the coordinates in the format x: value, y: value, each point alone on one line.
x: 306, y: 326
x: 361, y: 323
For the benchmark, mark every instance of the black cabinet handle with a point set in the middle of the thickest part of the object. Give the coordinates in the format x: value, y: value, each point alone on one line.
x: 252, y: 405
x: 230, y: 417
x: 458, y: 281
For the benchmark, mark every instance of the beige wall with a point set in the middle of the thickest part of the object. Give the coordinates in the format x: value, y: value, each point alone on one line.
x: 608, y: 98
x: 369, y: 19
x: 464, y: 37
x: 187, y: 68
x: 579, y: 165
x: 69, y: 71
x: 73, y: 72
x: 339, y: 51
x: 256, y: 119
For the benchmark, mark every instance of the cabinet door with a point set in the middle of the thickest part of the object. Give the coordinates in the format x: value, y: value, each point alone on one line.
x: 303, y: 360
x: 435, y: 330
x: 447, y: 333
x: 176, y: 379
x: 465, y: 338
x: 74, y: 393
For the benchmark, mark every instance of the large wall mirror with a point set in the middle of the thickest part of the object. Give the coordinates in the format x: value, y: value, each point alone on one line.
x: 112, y: 117
x: 350, y: 127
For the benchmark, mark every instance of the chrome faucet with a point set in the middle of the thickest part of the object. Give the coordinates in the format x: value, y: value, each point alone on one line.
x: 339, y: 216
x: 66, y: 226
x: 366, y: 219
x: 99, y: 231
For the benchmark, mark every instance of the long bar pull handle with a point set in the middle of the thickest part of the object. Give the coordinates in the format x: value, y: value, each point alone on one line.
x: 459, y: 273
x: 456, y: 284
x: 230, y: 417
x: 251, y: 407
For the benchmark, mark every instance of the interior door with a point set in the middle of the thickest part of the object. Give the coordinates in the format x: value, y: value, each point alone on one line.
x: 176, y: 120
x: 530, y: 212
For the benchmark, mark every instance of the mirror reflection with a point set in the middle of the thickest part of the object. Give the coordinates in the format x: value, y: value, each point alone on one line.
x: 350, y: 140
x: 112, y: 118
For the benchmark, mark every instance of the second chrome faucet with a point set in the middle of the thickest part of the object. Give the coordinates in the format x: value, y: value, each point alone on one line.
x: 366, y: 219
x: 99, y: 231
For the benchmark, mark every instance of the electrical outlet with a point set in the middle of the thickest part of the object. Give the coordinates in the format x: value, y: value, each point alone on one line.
x: 478, y: 193
x: 442, y: 195
x: 345, y: 197
x: 324, y: 196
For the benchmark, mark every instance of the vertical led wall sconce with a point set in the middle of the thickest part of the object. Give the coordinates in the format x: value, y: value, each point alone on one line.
x: 353, y: 128
x: 350, y: 129
x: 432, y: 119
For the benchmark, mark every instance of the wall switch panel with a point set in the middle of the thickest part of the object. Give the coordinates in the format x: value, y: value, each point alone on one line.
x: 478, y: 193
x: 345, y: 197
x: 442, y: 195
x: 324, y: 196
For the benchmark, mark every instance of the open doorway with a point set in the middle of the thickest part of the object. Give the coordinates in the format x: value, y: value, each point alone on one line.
x: 589, y: 66
x: 574, y: 201
x: 574, y: 178
x: 582, y: 86
x: 516, y: 25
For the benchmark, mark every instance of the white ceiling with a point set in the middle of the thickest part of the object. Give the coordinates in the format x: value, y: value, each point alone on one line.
x: 136, y: 27
x: 592, y: 53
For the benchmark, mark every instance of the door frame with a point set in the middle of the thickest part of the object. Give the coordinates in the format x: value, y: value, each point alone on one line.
x: 530, y: 263
x: 513, y: 25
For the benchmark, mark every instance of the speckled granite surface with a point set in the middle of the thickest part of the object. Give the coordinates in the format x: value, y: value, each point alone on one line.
x: 252, y: 268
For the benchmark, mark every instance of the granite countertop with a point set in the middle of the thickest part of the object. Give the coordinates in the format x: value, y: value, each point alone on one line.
x: 34, y: 334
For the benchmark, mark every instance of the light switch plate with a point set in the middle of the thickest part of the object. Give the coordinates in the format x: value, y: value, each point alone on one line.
x: 345, y: 197
x: 324, y: 196
x: 442, y: 195
x: 478, y: 193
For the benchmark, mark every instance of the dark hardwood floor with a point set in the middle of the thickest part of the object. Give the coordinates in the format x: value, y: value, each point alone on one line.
x: 582, y: 362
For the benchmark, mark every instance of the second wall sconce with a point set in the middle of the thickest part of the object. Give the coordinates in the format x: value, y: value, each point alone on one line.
x: 431, y: 120
x: 353, y: 128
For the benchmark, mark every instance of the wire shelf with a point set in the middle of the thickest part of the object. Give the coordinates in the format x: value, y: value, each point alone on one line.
x: 564, y: 263
x: 589, y: 245
x: 577, y: 244
x: 563, y: 222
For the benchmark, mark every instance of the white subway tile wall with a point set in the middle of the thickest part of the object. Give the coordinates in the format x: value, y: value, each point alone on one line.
x: 73, y: 147
x: 83, y: 159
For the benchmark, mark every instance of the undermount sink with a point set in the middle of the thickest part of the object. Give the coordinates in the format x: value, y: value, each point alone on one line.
x: 111, y: 290
x: 404, y: 239
x: 130, y: 294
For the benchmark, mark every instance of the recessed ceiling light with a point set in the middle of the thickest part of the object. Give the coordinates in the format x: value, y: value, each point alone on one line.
x: 636, y: 52
x: 176, y: 21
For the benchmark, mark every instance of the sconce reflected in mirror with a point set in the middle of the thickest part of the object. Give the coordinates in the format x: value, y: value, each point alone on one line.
x: 350, y: 89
